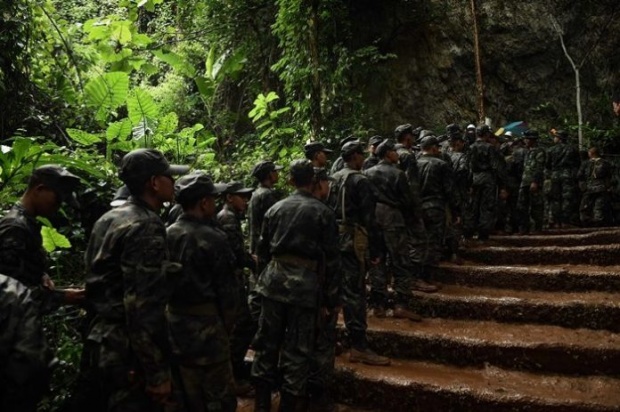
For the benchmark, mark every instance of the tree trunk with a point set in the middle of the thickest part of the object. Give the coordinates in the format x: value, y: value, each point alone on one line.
x: 578, y: 102
x: 479, y: 83
x: 316, y: 119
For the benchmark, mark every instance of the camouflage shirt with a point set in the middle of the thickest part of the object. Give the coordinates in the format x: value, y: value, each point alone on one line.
x: 534, y: 166
x: 436, y: 183
x: 22, y: 256
x: 208, y: 266
x: 395, y: 202
x: 483, y: 161
x: 352, y: 197
x: 126, y: 271
x: 230, y: 222
x: 597, y: 175
x: 24, y: 354
x: 370, y: 161
x: 300, y: 242
x: 563, y: 161
x: 262, y: 199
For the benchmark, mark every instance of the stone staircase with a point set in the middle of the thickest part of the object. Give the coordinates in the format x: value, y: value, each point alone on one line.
x: 529, y: 323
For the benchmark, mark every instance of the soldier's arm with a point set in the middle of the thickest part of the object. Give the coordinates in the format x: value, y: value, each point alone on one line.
x: 331, y: 251
x: 539, y: 168
x: 145, y: 296
x: 366, y: 203
x: 225, y: 283
x: 449, y: 190
x: 263, y: 250
x: 409, y: 199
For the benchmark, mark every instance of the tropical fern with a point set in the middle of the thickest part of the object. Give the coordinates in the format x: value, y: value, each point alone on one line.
x: 107, y: 92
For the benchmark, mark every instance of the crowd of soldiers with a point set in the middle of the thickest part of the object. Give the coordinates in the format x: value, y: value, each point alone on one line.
x: 174, y: 307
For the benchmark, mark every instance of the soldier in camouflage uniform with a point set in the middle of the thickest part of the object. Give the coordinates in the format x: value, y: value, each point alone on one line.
x: 461, y: 188
x: 202, y: 309
x: 514, y: 173
x: 339, y: 163
x: 263, y: 198
x: 438, y: 197
x: 317, y: 153
x: 484, y: 166
x: 394, y: 213
x: 530, y: 205
x: 595, y: 180
x: 22, y: 256
x: 372, y: 158
x: 563, y: 163
x: 418, y: 238
x: 126, y: 271
x: 353, y: 199
x: 229, y: 218
x: 24, y: 354
x: 299, y: 249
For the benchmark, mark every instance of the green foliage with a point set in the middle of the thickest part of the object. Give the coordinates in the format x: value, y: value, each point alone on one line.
x: 52, y: 239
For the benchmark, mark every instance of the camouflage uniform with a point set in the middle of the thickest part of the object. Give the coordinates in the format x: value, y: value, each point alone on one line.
x: 201, y: 314
x: 127, y: 264
x: 563, y: 163
x: 370, y: 161
x: 530, y: 204
x: 353, y: 199
x: 514, y: 174
x: 595, y: 208
x: 394, y: 213
x: 24, y: 354
x: 262, y: 199
x: 437, y: 196
x: 299, y: 245
x: 461, y: 179
x: 245, y: 326
x: 483, y: 164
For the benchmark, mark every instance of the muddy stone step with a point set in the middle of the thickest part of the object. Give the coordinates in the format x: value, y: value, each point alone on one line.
x: 529, y: 347
x: 600, y: 237
x: 420, y: 386
x: 567, y: 278
x: 600, y: 255
x: 594, y: 310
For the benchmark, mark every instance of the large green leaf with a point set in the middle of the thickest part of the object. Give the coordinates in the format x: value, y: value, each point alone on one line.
x: 118, y: 130
x: 176, y: 61
x: 53, y: 240
x: 83, y: 137
x: 141, y: 107
x: 121, y: 31
x: 107, y: 92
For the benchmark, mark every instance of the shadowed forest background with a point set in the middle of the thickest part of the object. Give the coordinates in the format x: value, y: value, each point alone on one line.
x: 223, y: 84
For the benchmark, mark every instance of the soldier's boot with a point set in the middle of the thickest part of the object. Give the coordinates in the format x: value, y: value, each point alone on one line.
x: 262, y: 398
x: 367, y: 357
x: 401, y: 312
x: 291, y: 403
x: 423, y: 286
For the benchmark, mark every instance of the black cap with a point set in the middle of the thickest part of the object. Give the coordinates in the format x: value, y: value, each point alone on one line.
x: 301, y: 171
x: 483, y: 130
x: 237, y: 188
x: 347, y: 139
x: 402, y: 130
x: 424, y: 133
x: 320, y: 173
x: 195, y: 186
x: 385, y: 147
x: 375, y: 140
x: 456, y: 136
x: 141, y: 164
x: 311, y: 148
x: 60, y: 180
x: 453, y: 129
x: 429, y: 141
x: 530, y: 134
x: 351, y: 147
x: 263, y: 168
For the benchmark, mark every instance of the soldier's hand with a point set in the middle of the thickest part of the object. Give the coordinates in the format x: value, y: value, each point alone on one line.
x: 534, y: 187
x: 160, y: 393
x: 47, y: 282
x: 74, y: 296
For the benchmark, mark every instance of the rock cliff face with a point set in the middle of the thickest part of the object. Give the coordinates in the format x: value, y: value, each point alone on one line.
x: 432, y: 81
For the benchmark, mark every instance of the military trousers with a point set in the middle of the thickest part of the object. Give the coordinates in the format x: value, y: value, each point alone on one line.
x: 354, y: 299
x: 241, y: 336
x: 435, y: 223
x: 564, y: 200
x: 595, y: 209
x: 203, y: 388
x: 324, y: 356
x: 401, y: 267
x: 284, y: 346
x: 531, y: 208
x: 484, y: 206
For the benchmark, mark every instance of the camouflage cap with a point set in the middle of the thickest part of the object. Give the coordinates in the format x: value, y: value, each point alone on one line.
x: 301, y: 171
x: 120, y: 196
x: 375, y: 140
x: 141, y: 164
x: 453, y: 128
x: 60, y: 180
x: 311, y: 148
x: 195, y: 186
x: 402, y: 130
x: 263, y: 168
x: 385, y: 147
x: 531, y: 134
x: 351, y: 147
x: 349, y: 138
x: 237, y: 188
x: 429, y: 141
